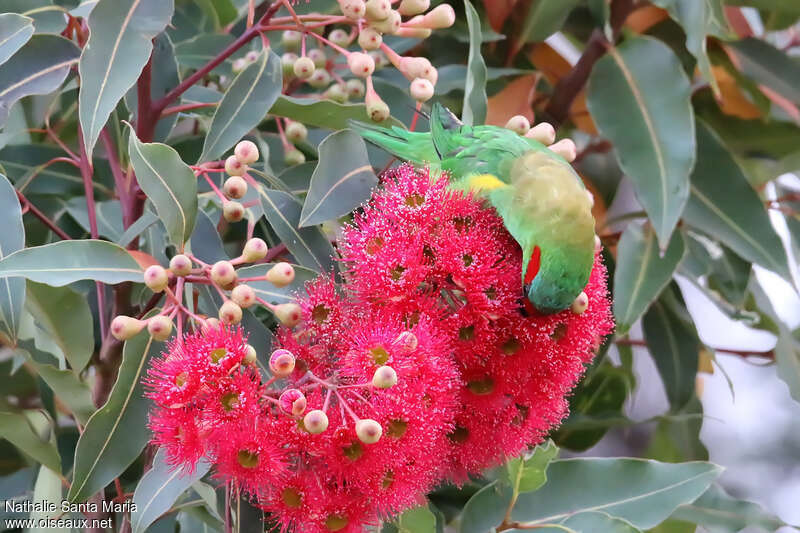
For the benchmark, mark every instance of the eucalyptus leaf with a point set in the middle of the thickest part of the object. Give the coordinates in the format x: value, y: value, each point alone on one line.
x: 19, y: 430
x: 323, y: 113
x: 770, y: 67
x: 12, y: 290
x: 718, y: 512
x: 15, y: 30
x: 475, y: 100
x: 529, y: 472
x: 486, y: 509
x: 544, y: 18
x: 47, y: 18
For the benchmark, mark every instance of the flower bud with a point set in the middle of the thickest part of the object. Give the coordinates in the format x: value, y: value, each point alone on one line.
x: 369, y: 39
x: 281, y: 274
x: 234, y: 167
x: 251, y: 56
x: 518, y: 124
x: 294, y: 157
x: 390, y: 25
x: 353, y: 9
x: 377, y: 109
x: 421, y: 90
x: 239, y: 65
x: 418, y: 67
x: 290, y: 40
x: 246, y: 152
x: 580, y: 304
x: 339, y: 37
x: 211, y: 323
x: 235, y: 187
x: 360, y: 64
x: 406, y: 341
x: 544, y: 133
x: 288, y: 314
x: 598, y: 244
x: 230, y: 313
x: 368, y: 431
x: 337, y: 93
x: 566, y: 149
x: 409, y: 8
x: 413, y: 33
x: 254, y: 250
x: 223, y: 273
x: 379, y: 58
x: 293, y: 401
x: 377, y: 9
x: 355, y: 88
x: 250, y: 355
x: 296, y: 132
x: 281, y: 363
x: 315, y: 421
x: 319, y: 79
x: 384, y: 377
x: 317, y: 55
x: 287, y: 64
x: 442, y: 16
x: 156, y: 278
x: 304, y: 68
x: 243, y: 295
x: 232, y: 211
x: 159, y: 327
x: 180, y: 265
x: 126, y: 327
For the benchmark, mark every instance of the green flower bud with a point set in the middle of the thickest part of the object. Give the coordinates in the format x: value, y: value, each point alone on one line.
x: 296, y: 132
x: 369, y: 39
x: 353, y: 9
x: 223, y: 273
x: 337, y: 92
x: 254, y: 250
x: 580, y: 304
x: 319, y: 79
x: 291, y: 40
x: 294, y: 157
x: 317, y: 55
x: 159, y: 327
x: 250, y: 355
x: 409, y: 8
x: 287, y: 64
x: 339, y: 37
x: 378, y: 9
x: 180, y: 265
x: 156, y: 278
x: 390, y: 25
x: 126, y: 327
x: 355, y: 88
x: 304, y: 68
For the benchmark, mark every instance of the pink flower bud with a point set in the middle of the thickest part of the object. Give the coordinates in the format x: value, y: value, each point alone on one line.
x: 211, y: 323
x: 243, y: 295
x: 368, y: 431
x: 518, y: 124
x: 281, y: 363
x: 418, y: 67
x: 355, y: 88
x: 288, y: 314
x: 339, y: 37
x: 315, y: 421
x: 390, y: 25
x: 337, y: 93
x: 598, y: 244
x: 442, y: 16
x: 296, y: 131
x: 421, y: 90
x: 234, y: 167
x: 159, y: 327
x: 254, y: 250
x: 246, y: 152
x: 239, y: 65
x: 251, y: 56
x: 234, y: 187
x: 294, y: 157
x: 293, y: 402
x: 353, y: 9
x: 369, y: 39
x: 304, y: 68
x: 360, y: 64
x: 377, y: 109
x: 180, y: 265
x: 281, y: 274
x: 156, y: 278
x: 544, y: 133
x: 409, y: 8
x: 384, y: 377
x: 566, y: 149
x: 223, y: 273
x: 317, y: 55
x: 319, y: 79
x: 580, y: 304
x: 230, y: 313
x: 126, y: 327
x: 406, y: 341
x: 250, y: 355
x: 232, y: 211
x: 413, y: 33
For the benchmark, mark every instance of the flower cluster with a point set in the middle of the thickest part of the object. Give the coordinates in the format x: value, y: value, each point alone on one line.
x: 423, y: 366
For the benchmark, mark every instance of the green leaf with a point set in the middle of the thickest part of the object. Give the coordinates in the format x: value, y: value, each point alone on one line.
x: 638, y: 96
x: 592, y: 521
x: 20, y: 430
x: 116, y: 433
x: 734, y: 214
x: 199, y: 50
x: 159, y: 488
x: 641, y: 273
x: 529, y: 472
x: 544, y: 18
x: 324, y: 113
x: 206, y: 243
x: 677, y: 436
x: 47, y: 18
x: 65, y: 315
x: 787, y: 356
x: 475, y: 100
x: 486, y: 509
x: 271, y: 293
x: 342, y: 180
x: 640, y: 491
x: 781, y: 5
x: 65, y: 262
x: 310, y: 247
x: 12, y: 290
x: 169, y: 183
x: 109, y: 216
x: 417, y: 520
x: 244, y: 104
x: 718, y: 512
x: 769, y: 66
x: 48, y: 488
x: 672, y: 341
x: 119, y: 46
x: 39, y: 67
x: 147, y: 219
x: 15, y: 30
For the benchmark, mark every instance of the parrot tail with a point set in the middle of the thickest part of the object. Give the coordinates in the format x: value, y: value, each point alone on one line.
x: 406, y: 145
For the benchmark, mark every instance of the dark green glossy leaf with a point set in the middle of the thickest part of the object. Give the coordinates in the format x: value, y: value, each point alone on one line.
x: 475, y: 100
x: 641, y: 273
x: 15, y: 30
x: 169, y: 183
x: 22, y: 430
x: 417, y: 520
x: 718, y: 512
x: 39, y: 67
x: 769, y: 66
x: 147, y: 219
x: 323, y: 113
x: 65, y: 262
x: 244, y: 104
x: 734, y: 214
x: 677, y: 436
x: 342, y: 179
x: 109, y: 216
x: 639, y: 98
x: 119, y: 46
x: 544, y: 18
x: 12, y: 290
x: 115, y: 434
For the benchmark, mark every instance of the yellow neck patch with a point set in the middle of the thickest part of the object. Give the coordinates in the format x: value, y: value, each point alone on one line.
x: 484, y: 182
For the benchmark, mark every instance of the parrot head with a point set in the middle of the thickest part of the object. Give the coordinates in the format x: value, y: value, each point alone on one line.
x: 550, y: 293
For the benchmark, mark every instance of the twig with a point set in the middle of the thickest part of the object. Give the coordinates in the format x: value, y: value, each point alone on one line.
x: 769, y: 354
x: 41, y: 216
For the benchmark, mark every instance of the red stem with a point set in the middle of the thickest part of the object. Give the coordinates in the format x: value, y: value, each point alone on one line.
x: 41, y: 216
x: 186, y: 107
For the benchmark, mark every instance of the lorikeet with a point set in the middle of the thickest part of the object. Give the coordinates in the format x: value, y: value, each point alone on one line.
x: 541, y: 199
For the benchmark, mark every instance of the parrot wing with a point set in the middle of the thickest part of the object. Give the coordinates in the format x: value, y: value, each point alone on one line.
x: 407, y: 145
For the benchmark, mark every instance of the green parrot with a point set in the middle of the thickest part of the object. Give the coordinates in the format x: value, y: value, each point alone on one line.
x: 540, y: 198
